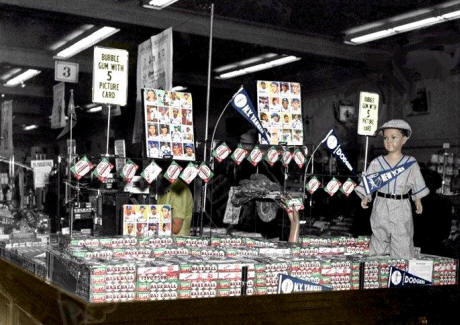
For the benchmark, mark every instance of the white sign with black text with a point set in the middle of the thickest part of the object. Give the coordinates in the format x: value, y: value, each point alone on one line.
x: 110, y: 76
x: 368, y: 113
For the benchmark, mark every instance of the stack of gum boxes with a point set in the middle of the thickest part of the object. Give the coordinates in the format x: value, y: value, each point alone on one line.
x: 158, y: 281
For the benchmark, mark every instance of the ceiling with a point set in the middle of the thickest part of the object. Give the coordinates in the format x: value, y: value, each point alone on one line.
x: 311, y: 29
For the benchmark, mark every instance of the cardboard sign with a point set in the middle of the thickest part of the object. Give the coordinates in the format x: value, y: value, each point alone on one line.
x: 66, y: 71
x: 368, y: 113
x: 41, y: 170
x: 110, y: 76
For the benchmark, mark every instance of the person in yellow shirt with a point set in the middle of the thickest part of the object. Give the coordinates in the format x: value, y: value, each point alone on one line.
x: 180, y: 198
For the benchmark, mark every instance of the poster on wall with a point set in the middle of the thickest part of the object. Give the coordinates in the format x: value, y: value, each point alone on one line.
x: 280, y: 111
x: 168, y: 124
x: 154, y: 70
x: 147, y: 220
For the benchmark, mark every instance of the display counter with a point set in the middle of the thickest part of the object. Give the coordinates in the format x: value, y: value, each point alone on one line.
x: 27, y: 299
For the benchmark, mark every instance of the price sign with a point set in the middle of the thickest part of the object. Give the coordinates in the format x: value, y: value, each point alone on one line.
x: 66, y: 71
x: 110, y: 76
x: 368, y: 113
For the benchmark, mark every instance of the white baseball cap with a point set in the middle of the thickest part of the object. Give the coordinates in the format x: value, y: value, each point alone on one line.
x: 396, y: 124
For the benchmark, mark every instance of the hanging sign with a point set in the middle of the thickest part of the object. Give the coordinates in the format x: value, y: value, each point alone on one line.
x: 41, y: 170
x: 368, y: 113
x: 110, y: 76
x: 66, y: 71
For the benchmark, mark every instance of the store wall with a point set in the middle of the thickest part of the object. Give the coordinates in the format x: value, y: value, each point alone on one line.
x: 440, y: 124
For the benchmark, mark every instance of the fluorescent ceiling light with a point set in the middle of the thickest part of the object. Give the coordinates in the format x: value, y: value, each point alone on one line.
x: 21, y: 78
x: 30, y: 127
x: 72, y: 35
x: 88, y: 41
x: 403, y: 23
x: 7, y: 75
x: 94, y: 109
x: 285, y: 59
x: 178, y: 88
x: 417, y: 24
x: 157, y: 4
x: 243, y: 63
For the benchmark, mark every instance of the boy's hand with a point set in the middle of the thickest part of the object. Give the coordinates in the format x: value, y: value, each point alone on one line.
x: 364, y: 203
x: 418, y: 206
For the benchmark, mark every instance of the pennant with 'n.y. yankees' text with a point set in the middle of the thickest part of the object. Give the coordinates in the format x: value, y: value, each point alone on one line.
x: 331, y: 142
x: 377, y: 180
x: 242, y: 103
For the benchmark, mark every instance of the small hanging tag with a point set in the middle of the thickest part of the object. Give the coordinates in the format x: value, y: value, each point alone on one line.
x: 255, y: 156
x: 239, y: 154
x: 333, y: 186
x: 151, y: 172
x: 103, y: 169
x: 189, y: 173
x: 128, y: 171
x: 221, y: 152
x: 173, y: 172
x: 81, y: 167
x: 272, y: 156
x: 299, y: 158
x: 348, y: 186
x: 205, y: 173
x: 286, y: 157
x: 312, y: 185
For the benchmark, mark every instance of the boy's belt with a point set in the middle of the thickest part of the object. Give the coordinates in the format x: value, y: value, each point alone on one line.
x: 393, y: 196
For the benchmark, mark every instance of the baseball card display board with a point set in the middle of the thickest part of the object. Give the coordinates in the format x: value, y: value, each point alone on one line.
x: 280, y: 111
x: 169, y: 124
x: 147, y: 220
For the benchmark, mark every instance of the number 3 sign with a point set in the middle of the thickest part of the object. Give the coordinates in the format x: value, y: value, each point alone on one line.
x: 66, y: 71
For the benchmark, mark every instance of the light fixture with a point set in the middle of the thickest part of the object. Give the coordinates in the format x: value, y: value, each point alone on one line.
x: 178, y: 88
x: 8, y: 74
x: 255, y: 64
x: 90, y: 40
x: 30, y: 127
x: 71, y: 36
x: 93, y: 108
x: 403, y: 23
x: 21, y: 78
x: 157, y: 4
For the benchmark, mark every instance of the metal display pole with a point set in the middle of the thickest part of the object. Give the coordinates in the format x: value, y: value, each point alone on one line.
x: 365, y: 153
x: 108, y: 132
x: 69, y: 189
x: 208, y: 91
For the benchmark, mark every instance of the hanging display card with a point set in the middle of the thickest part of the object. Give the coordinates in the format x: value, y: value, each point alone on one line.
x: 280, y: 111
x: 168, y: 124
x: 147, y: 220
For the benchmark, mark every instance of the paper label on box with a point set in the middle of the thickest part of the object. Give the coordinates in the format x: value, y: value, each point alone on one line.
x: 348, y: 186
x: 189, y: 173
x: 299, y: 158
x: 272, y: 156
x: 205, y: 173
x: 286, y: 158
x: 173, y: 172
x: 239, y: 154
x: 151, y: 172
x: 421, y: 268
x: 129, y: 170
x: 82, y: 167
x: 312, y: 185
x: 332, y: 186
x: 255, y: 156
x: 221, y: 152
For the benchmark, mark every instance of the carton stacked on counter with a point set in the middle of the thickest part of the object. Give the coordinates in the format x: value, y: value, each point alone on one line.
x: 336, y: 273
x: 157, y: 280
x: 376, y: 270
x: 444, y: 269
x: 333, y: 246
x: 267, y: 271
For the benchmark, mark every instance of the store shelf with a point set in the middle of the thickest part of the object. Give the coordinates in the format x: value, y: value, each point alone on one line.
x: 27, y: 299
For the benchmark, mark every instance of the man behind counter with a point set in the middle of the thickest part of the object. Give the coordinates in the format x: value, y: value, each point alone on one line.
x: 180, y: 198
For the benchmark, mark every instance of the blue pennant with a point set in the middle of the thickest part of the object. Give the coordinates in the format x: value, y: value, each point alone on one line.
x: 331, y: 142
x: 242, y: 103
x: 290, y: 284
